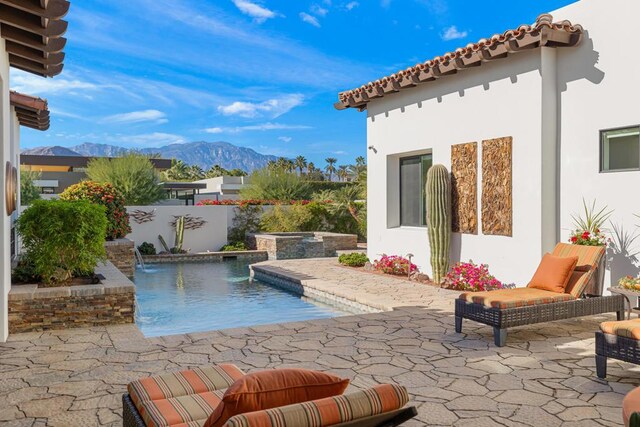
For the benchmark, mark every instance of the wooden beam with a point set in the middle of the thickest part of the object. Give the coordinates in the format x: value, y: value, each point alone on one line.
x: 32, y: 40
x: 34, y: 54
x: 31, y: 23
x: 35, y: 67
x: 55, y: 9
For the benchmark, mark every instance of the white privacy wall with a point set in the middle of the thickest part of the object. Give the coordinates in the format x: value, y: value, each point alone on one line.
x: 600, y: 88
x: 499, y: 99
x: 6, y: 121
x: 211, y: 237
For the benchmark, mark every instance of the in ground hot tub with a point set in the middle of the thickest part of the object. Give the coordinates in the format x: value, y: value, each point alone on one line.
x: 302, y: 244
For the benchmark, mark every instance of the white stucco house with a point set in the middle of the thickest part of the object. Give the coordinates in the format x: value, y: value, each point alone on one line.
x: 563, y: 90
x: 30, y: 40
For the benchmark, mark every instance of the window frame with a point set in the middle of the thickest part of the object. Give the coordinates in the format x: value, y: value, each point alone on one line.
x: 423, y: 219
x: 601, y: 142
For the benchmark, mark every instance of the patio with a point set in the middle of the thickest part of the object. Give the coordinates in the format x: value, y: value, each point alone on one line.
x: 544, y: 376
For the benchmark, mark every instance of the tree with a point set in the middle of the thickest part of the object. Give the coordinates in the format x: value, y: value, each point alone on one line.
x: 179, y: 171
x: 132, y: 175
x: 343, y: 173
x: 330, y: 168
x: 275, y: 184
x: 195, y: 172
x: 301, y: 163
x: 360, y: 161
x: 28, y: 191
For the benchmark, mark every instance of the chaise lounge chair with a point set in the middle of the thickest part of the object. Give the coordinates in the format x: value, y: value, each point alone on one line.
x: 506, y: 308
x: 188, y: 398
x: 617, y: 340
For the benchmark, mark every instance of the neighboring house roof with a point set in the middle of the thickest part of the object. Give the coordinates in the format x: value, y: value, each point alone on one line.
x: 32, y: 112
x: 76, y: 161
x: 33, y: 31
x: 544, y: 32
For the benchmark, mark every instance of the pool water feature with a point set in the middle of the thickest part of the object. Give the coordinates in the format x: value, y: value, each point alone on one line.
x: 196, y: 297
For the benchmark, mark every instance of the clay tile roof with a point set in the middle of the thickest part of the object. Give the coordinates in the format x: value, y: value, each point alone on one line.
x: 33, y: 31
x: 544, y: 32
x: 32, y: 112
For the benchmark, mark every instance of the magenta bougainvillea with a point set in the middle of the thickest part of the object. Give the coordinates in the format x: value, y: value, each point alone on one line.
x: 468, y: 276
x: 394, y: 264
x: 107, y: 196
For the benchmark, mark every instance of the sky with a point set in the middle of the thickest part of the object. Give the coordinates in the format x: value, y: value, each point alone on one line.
x: 262, y: 74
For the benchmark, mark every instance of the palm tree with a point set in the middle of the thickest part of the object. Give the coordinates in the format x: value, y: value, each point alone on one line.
x: 179, y: 171
x: 216, y: 171
x: 343, y: 173
x: 301, y: 163
x: 360, y: 161
x: 330, y: 168
x: 196, y: 172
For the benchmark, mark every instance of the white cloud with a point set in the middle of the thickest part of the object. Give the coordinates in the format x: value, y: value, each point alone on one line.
x: 271, y: 108
x: 285, y: 138
x: 260, y: 128
x: 34, y: 85
x: 351, y: 5
x: 154, y: 116
x: 452, y: 33
x: 155, y: 139
x: 257, y: 12
x: 319, y: 10
x: 311, y: 20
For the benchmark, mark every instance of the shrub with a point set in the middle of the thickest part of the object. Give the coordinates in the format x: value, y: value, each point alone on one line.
x: 25, y: 272
x: 276, y: 184
x: 354, y: 259
x: 147, y: 248
x: 589, y: 224
x: 394, y: 264
x: 467, y: 276
x: 133, y: 175
x: 107, y: 196
x: 28, y: 191
x: 63, y: 239
x: 232, y: 247
x: 246, y: 220
x: 312, y: 216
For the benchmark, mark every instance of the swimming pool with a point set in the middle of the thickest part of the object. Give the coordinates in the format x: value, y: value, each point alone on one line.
x: 181, y: 298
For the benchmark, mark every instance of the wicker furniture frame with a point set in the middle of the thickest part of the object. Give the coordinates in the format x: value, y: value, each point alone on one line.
x: 131, y: 417
x: 615, y: 347
x: 501, y: 319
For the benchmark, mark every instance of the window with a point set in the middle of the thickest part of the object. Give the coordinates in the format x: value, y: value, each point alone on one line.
x: 413, y: 177
x: 620, y: 149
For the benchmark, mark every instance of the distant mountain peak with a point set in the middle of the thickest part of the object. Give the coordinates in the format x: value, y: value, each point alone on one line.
x: 201, y: 153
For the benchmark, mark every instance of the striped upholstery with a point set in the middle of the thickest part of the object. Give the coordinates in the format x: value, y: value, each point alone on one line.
x: 329, y: 411
x: 513, y: 298
x: 184, y: 398
x: 622, y: 328
x: 588, y: 259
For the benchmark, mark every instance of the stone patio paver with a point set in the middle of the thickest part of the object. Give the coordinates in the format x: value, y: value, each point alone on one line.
x: 544, y: 376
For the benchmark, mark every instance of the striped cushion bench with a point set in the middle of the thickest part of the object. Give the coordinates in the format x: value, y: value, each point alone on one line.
x: 184, y: 398
x: 513, y: 298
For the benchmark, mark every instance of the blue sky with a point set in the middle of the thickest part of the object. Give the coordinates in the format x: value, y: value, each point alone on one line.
x: 257, y: 73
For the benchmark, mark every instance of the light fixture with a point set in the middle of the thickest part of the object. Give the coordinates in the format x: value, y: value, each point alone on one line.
x: 372, y: 148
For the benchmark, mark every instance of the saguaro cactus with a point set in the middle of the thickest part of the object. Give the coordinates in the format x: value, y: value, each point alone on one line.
x: 179, y: 233
x: 438, y: 195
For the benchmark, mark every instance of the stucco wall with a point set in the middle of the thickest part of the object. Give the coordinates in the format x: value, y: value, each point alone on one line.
x: 210, y: 237
x: 600, y: 86
x: 499, y: 99
x: 5, y: 227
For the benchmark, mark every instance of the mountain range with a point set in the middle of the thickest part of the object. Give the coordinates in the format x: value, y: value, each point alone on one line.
x: 201, y: 153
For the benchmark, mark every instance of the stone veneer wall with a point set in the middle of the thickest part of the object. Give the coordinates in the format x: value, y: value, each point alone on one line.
x: 39, y: 309
x: 255, y: 256
x: 302, y: 245
x: 121, y: 253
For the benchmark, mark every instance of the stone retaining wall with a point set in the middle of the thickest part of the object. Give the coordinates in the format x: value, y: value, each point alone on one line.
x: 253, y: 256
x: 39, y: 309
x: 302, y: 244
x: 120, y: 253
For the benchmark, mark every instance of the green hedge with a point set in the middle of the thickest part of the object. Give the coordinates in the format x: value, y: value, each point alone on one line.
x: 63, y: 239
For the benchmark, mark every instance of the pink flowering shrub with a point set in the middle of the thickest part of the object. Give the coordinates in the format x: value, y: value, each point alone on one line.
x: 467, y: 276
x: 394, y: 264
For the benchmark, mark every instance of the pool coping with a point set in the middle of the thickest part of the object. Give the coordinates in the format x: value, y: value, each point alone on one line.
x: 219, y: 256
x: 309, y: 286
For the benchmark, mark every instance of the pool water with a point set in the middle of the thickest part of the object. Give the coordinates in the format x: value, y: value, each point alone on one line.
x: 182, y: 298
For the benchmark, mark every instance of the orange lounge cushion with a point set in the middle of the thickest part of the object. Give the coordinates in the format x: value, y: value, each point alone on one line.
x: 182, y: 397
x: 553, y: 273
x: 513, y: 298
x: 274, y: 388
x: 630, y: 404
x: 622, y: 328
